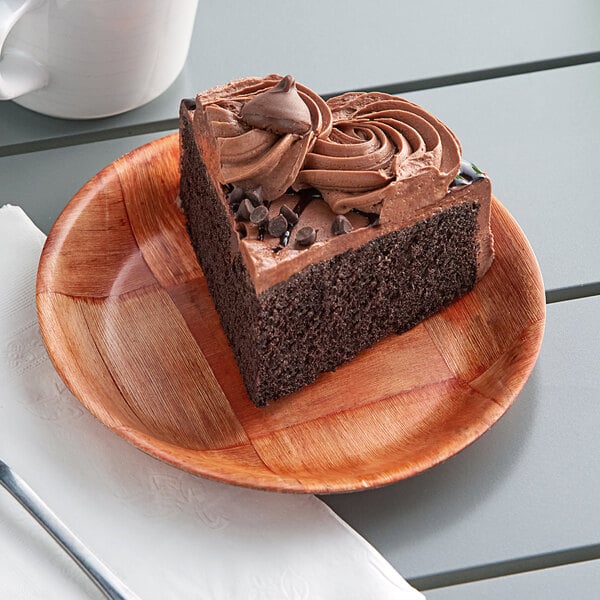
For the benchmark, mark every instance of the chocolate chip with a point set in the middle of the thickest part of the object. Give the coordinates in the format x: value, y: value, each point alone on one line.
x: 249, y: 230
x: 189, y: 103
x: 341, y: 225
x: 244, y: 210
x: 236, y: 195
x: 306, y: 236
x: 290, y: 216
x: 255, y: 196
x: 259, y: 215
x: 277, y: 226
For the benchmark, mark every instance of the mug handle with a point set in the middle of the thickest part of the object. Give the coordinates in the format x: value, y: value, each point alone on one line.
x: 19, y: 73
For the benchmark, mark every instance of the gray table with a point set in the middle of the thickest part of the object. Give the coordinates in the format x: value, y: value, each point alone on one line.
x: 515, y: 513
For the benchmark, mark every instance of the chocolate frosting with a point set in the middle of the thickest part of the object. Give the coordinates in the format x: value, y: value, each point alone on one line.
x: 368, y: 154
x: 260, y: 127
x: 384, y: 155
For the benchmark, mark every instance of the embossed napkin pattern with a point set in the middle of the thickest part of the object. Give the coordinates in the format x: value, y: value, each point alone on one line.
x: 166, y: 533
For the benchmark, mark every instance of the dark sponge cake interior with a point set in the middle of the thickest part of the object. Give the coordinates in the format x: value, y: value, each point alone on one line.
x: 324, y: 315
x: 329, y: 312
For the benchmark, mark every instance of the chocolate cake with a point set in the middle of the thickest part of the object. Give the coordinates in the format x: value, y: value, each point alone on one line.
x: 322, y: 227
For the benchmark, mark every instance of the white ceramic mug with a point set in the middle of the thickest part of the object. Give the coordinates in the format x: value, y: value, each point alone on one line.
x: 83, y: 59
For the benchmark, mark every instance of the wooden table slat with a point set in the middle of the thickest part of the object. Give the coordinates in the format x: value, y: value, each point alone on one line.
x: 580, y: 581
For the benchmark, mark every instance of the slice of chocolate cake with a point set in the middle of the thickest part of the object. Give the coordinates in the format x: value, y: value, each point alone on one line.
x: 322, y: 227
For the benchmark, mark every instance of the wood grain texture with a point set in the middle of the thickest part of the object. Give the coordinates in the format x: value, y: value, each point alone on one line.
x: 127, y: 319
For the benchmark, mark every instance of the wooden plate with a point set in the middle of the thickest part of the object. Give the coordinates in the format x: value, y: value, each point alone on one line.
x: 126, y: 316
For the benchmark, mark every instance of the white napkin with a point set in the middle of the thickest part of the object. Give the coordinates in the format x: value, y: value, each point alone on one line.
x: 167, y: 534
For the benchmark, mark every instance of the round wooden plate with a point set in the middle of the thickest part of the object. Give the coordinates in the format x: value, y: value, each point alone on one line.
x: 127, y: 319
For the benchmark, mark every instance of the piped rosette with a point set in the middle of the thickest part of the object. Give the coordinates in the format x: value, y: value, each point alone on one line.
x: 264, y: 128
x: 384, y: 155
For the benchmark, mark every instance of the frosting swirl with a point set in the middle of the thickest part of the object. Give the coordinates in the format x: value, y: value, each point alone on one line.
x: 264, y: 128
x: 384, y: 154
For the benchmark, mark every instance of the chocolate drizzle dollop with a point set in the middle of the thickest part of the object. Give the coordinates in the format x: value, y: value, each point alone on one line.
x: 384, y: 155
x: 262, y: 132
x: 280, y: 110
